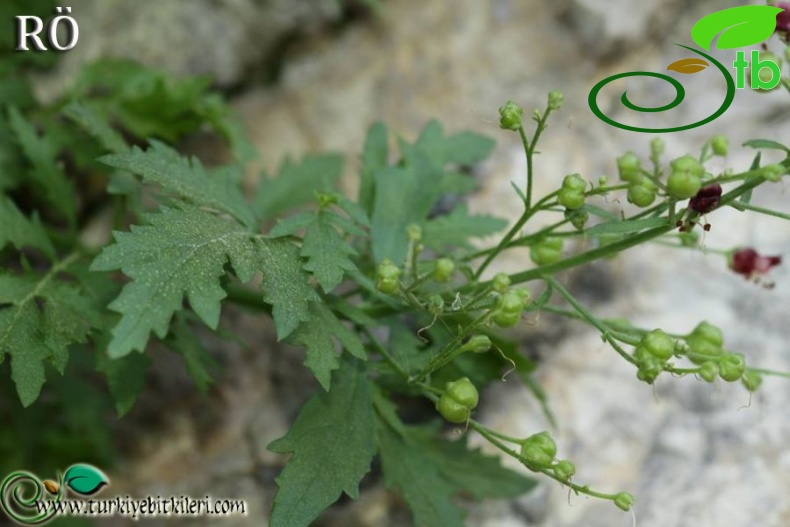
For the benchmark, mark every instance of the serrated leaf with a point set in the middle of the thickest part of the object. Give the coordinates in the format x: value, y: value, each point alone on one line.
x: 22, y: 232
x: 40, y: 317
x: 741, y: 26
x: 625, y: 227
x: 292, y: 224
x: 46, y: 172
x: 184, y: 177
x: 89, y: 119
x: 457, y: 228
x: 355, y: 212
x: 316, y: 336
x: 285, y: 285
x: 469, y: 470
x: 417, y: 476
x: 333, y: 444
x: 179, y: 253
x: 327, y: 252
x: 766, y: 143
x: 296, y: 184
x: 125, y: 377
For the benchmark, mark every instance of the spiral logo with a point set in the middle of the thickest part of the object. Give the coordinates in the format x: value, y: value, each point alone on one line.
x: 19, y: 494
x: 735, y: 27
x: 680, y: 94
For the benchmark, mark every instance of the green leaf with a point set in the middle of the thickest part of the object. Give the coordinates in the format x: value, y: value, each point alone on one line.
x: 125, y: 377
x: 181, y: 252
x: 466, y: 148
x: 333, y: 443
x: 374, y: 157
x: 625, y: 227
x: 85, y: 479
x: 285, y: 285
x: 89, y: 118
x: 404, y: 195
x: 458, y: 227
x: 316, y: 336
x: 417, y: 475
x: 292, y: 224
x: 22, y: 232
x: 766, y: 143
x: 296, y: 184
x: 327, y: 252
x: 40, y: 317
x: 46, y: 172
x: 472, y: 471
x: 741, y: 26
x: 184, y: 341
x: 184, y: 177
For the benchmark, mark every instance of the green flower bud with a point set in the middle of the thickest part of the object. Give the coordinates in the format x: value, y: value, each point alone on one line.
x: 629, y: 166
x: 709, y: 332
x: 555, y: 100
x: 774, y: 172
x: 452, y: 411
x: 443, y: 270
x: 463, y: 392
x: 387, y: 277
x: 683, y: 184
x: 732, y: 366
x: 539, y: 450
x: 624, y: 501
x: 720, y: 145
x: 709, y: 371
x: 640, y: 195
x: 689, y: 238
x: 578, y: 218
x: 546, y: 251
x: 688, y: 164
x: 478, y: 344
x: 458, y: 401
x: 570, y: 199
x: 602, y: 181
x: 658, y: 344
x: 650, y: 367
x: 751, y: 380
x: 414, y: 232
x: 657, y: 146
x: 511, y: 302
x: 574, y: 182
x: 510, y: 116
x: 501, y: 282
x: 564, y: 470
x: 505, y: 319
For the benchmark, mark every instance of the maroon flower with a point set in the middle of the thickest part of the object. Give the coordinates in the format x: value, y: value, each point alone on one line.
x: 751, y: 264
x: 707, y: 199
x: 783, y: 19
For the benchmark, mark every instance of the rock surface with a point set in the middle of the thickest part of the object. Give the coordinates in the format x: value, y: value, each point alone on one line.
x: 693, y: 454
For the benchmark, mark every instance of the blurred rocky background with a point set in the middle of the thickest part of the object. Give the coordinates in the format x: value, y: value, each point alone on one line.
x: 312, y: 75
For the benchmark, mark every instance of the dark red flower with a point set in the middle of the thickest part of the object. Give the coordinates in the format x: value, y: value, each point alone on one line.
x: 707, y: 199
x: 783, y: 18
x: 750, y: 263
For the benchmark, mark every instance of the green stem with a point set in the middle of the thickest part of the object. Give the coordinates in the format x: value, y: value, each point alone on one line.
x: 606, y: 334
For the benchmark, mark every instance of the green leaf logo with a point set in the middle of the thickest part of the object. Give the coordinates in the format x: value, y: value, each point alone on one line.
x: 85, y: 479
x: 741, y: 26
